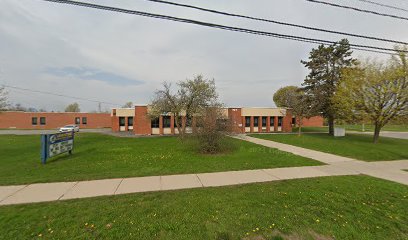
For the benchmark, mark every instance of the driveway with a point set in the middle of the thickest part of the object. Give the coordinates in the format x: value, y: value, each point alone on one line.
x: 48, y: 131
x: 401, y: 135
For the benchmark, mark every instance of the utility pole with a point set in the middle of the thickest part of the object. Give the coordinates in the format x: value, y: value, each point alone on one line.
x: 99, y: 107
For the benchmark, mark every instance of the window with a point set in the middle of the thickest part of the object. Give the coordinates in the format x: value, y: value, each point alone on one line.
x: 280, y: 121
x: 121, y: 121
x: 189, y: 122
x: 34, y: 121
x: 294, y: 121
x: 247, y: 121
x: 264, y: 119
x: 166, y: 121
x: 77, y: 120
x: 272, y: 121
x: 42, y: 120
x: 84, y: 120
x: 155, y: 123
x: 180, y: 120
x: 130, y: 121
x: 256, y: 121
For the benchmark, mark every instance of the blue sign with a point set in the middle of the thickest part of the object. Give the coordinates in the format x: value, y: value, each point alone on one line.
x: 55, y: 144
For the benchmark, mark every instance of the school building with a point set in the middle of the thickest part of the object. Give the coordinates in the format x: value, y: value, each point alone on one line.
x: 52, y: 120
x: 244, y: 120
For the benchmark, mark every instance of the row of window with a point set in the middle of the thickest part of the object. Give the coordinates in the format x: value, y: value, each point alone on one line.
x: 43, y: 120
x: 34, y: 121
x: 122, y: 121
x: 167, y: 122
x: 264, y: 121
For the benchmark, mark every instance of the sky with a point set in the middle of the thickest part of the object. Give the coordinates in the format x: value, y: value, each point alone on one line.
x: 117, y: 58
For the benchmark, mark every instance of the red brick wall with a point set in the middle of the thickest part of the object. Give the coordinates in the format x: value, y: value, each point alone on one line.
x: 316, y: 121
x: 142, y: 122
x: 234, y: 115
x: 115, y: 121
x: 287, y: 122
x: 22, y: 120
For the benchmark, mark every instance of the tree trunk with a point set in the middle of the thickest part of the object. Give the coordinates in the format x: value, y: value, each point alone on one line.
x: 299, y: 126
x: 331, y: 125
x: 376, y: 133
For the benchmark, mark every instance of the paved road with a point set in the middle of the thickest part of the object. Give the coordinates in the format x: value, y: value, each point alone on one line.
x: 38, y: 132
x: 401, y: 135
x: 337, y: 166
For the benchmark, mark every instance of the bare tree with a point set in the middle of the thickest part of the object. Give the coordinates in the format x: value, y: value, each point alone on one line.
x: 73, y: 107
x: 213, y: 128
x: 192, y: 98
x: 3, y: 99
x: 128, y: 105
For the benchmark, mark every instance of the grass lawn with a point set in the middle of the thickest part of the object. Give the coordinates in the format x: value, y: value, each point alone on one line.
x: 311, y: 129
x: 348, y: 207
x: 98, y: 156
x: 358, y: 128
x: 353, y: 145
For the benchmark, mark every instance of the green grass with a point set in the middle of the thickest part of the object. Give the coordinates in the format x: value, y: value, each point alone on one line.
x: 311, y: 129
x: 348, y: 207
x: 353, y: 145
x: 98, y: 156
x: 356, y: 127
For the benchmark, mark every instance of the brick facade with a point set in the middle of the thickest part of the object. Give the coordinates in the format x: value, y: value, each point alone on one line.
x: 24, y: 120
x: 281, y: 122
x: 142, y: 122
x: 316, y: 121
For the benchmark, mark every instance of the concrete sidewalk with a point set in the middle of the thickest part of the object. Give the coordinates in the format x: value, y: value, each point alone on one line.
x: 43, y: 192
x: 337, y: 166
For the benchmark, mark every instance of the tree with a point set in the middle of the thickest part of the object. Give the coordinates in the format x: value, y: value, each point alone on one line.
x: 284, y: 95
x: 192, y: 98
x: 212, y: 131
x: 3, y: 99
x: 376, y: 91
x: 19, y: 107
x: 326, y: 65
x: 299, y: 103
x: 128, y: 105
x: 73, y: 107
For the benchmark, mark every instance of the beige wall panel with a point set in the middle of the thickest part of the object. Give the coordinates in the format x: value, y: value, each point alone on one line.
x: 125, y: 112
x: 263, y: 112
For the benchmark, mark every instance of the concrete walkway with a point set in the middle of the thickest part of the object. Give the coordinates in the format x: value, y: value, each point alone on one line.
x: 400, y: 135
x: 337, y: 166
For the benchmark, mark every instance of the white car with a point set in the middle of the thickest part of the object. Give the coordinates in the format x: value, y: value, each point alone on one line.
x: 69, y: 128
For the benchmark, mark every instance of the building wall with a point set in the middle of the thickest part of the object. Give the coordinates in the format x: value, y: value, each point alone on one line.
x: 263, y: 112
x: 23, y: 120
x: 142, y: 122
x: 316, y: 121
x: 235, y: 116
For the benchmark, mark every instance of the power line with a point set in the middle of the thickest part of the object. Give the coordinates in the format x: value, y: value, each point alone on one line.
x: 358, y: 9
x: 275, y: 22
x: 224, y: 27
x: 384, y: 5
x: 59, y: 95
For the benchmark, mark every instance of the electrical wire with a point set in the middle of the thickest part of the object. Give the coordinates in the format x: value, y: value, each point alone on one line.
x: 275, y: 22
x: 384, y: 5
x: 224, y: 27
x: 358, y: 9
x: 59, y: 95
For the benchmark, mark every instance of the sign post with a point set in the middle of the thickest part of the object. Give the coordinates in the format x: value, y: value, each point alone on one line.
x: 55, y: 144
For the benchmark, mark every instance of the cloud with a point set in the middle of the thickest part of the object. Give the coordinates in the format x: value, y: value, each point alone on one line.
x: 86, y: 73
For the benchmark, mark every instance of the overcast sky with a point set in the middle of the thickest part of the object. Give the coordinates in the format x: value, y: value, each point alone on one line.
x: 113, y: 57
